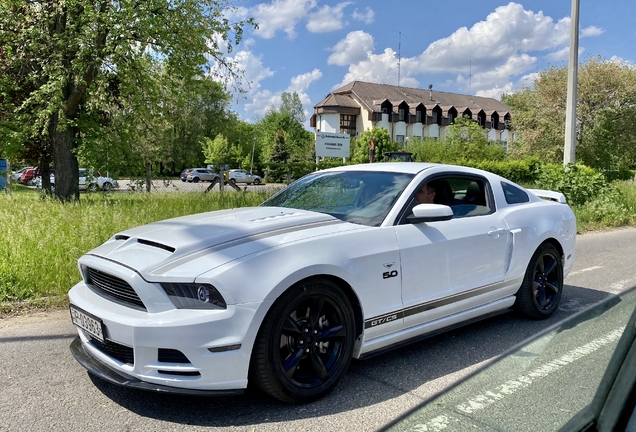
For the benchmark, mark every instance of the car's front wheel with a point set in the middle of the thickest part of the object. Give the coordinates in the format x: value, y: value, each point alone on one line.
x: 107, y: 187
x: 233, y: 181
x: 93, y: 187
x: 542, y: 286
x: 257, y: 181
x: 305, y: 343
x: 195, y: 179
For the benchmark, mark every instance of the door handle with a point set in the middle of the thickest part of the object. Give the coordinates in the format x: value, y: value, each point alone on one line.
x: 496, y: 231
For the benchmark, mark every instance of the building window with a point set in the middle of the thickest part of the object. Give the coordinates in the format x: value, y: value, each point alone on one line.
x: 479, y: 121
x: 401, y: 111
x: 418, y: 116
x: 348, y: 124
x: 399, y: 139
x: 434, y: 117
x: 450, y: 118
x: 384, y: 111
x: 492, y: 124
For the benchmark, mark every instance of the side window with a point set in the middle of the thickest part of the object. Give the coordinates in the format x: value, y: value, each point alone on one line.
x: 467, y: 196
x: 514, y: 195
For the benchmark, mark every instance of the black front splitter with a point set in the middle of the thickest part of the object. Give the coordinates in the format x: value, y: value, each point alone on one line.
x: 102, y: 371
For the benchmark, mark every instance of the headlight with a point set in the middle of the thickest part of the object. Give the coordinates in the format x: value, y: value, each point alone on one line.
x: 194, y: 296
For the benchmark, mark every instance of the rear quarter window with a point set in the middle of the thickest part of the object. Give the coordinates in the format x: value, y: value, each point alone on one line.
x: 513, y: 194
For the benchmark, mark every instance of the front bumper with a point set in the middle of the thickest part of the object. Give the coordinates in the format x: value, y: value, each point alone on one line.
x: 112, y: 376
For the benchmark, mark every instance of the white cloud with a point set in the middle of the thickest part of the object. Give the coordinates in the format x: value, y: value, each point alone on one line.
x: 263, y: 100
x: 355, y: 47
x: 379, y: 68
x: 492, y: 51
x: 327, y: 18
x: 254, y: 71
x: 563, y: 54
x: 280, y: 15
x: 366, y: 17
x: 591, y: 31
x: 516, y: 65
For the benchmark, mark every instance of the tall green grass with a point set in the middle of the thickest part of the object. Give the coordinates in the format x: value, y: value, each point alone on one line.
x: 41, y: 238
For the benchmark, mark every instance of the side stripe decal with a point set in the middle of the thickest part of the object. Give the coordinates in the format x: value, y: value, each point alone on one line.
x: 417, y: 309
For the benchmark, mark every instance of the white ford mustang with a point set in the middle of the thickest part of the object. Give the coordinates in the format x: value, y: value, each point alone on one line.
x: 344, y: 263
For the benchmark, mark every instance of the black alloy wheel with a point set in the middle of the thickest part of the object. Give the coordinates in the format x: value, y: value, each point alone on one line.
x: 305, y: 343
x: 233, y: 181
x: 195, y: 179
x: 257, y: 181
x: 542, y: 286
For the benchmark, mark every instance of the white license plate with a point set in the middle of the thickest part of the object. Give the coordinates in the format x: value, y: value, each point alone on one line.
x: 93, y: 325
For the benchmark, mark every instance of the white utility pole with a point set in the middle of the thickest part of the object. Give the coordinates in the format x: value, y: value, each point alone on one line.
x: 569, y: 150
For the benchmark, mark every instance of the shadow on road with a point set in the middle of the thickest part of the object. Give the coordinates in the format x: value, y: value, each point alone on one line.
x: 367, y: 383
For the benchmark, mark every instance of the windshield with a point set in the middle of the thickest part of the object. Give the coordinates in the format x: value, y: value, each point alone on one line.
x: 362, y: 197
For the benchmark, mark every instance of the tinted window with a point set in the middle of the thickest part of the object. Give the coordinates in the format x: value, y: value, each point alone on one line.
x: 513, y: 194
x: 360, y: 197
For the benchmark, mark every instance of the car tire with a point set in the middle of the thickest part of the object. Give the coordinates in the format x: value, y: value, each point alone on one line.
x: 93, y: 187
x: 233, y: 181
x: 305, y: 343
x: 542, y: 286
x: 195, y: 179
x: 257, y: 182
x: 107, y: 187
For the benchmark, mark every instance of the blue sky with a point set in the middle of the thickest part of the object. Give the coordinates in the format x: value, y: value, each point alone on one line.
x: 478, y: 47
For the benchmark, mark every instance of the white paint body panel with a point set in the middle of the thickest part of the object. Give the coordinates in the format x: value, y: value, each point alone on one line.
x: 469, y: 266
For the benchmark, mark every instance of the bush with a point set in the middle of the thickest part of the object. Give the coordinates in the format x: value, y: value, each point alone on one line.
x: 519, y: 171
x: 579, y: 184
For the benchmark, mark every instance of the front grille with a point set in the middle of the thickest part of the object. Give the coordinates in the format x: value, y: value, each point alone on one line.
x: 117, y: 351
x: 113, y: 288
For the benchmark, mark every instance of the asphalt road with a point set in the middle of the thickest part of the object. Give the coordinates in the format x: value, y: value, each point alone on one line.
x: 43, y: 388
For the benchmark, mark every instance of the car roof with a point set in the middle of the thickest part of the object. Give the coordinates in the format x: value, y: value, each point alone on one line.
x: 399, y: 167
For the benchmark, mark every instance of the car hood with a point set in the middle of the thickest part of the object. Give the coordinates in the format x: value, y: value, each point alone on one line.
x: 185, y: 247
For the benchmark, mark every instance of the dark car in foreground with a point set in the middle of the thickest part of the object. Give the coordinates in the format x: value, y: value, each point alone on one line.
x: 578, y: 375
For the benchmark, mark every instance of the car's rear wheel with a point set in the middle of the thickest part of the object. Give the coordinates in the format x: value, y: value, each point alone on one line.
x: 542, y: 286
x: 233, y: 181
x: 305, y: 343
x: 257, y: 181
x: 107, y: 187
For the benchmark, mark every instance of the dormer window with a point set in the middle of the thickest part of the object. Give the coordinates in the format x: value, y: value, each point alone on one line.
x: 418, y: 116
x: 401, y: 113
x: 492, y: 124
x: 434, y: 117
x: 450, y: 118
x: 384, y: 111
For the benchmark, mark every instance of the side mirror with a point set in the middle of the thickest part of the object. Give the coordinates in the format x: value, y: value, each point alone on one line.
x: 430, y: 213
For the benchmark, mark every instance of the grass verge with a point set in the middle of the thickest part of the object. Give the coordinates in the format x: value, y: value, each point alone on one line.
x: 41, y: 239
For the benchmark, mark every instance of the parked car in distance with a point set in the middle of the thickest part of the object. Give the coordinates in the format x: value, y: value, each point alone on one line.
x: 184, y: 174
x: 201, y: 174
x: 28, y: 177
x: 17, y: 174
x: 342, y: 264
x: 241, y: 176
x: 87, y: 181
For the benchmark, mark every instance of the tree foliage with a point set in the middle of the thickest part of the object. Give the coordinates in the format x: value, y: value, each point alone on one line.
x: 359, y: 149
x: 606, y: 115
x: 69, y: 66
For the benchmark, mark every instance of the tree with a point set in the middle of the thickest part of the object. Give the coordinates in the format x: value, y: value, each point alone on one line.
x: 606, y: 120
x: 298, y: 140
x: 218, y: 151
x: 466, y: 140
x: 279, y: 157
x: 64, y: 63
x: 292, y: 106
x: 359, y: 149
